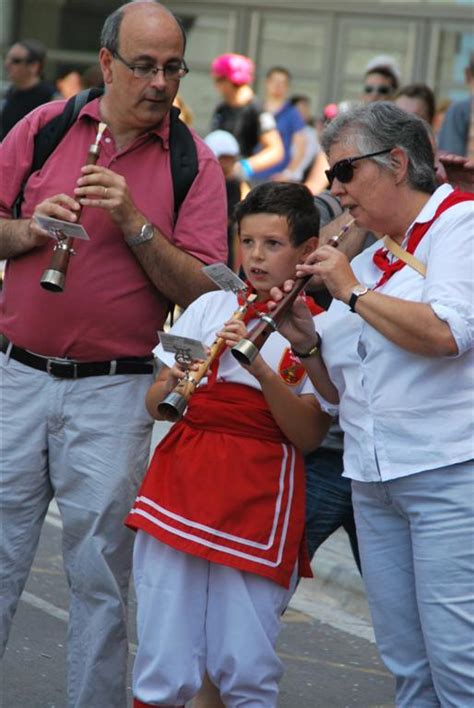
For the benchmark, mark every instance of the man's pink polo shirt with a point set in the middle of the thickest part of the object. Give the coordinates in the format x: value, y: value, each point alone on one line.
x: 109, y: 308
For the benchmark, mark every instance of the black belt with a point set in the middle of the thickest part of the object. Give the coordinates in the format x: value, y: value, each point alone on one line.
x: 69, y: 369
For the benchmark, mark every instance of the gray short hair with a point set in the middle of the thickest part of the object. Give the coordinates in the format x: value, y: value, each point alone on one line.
x: 382, y: 125
x: 109, y: 37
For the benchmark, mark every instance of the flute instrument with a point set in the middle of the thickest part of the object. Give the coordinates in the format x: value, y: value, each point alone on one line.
x: 54, y: 277
x: 247, y: 349
x: 173, y: 406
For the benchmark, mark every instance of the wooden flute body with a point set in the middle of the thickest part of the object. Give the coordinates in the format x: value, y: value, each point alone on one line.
x: 54, y: 277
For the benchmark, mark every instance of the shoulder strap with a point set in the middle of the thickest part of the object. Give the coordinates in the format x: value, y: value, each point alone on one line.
x: 184, y: 159
x: 51, y: 134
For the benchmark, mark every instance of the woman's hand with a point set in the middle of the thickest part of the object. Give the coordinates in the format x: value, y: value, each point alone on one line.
x: 333, y: 267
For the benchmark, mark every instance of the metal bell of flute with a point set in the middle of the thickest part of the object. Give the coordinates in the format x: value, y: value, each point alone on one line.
x: 172, y: 407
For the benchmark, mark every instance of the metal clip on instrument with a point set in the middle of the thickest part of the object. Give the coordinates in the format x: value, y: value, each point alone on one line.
x: 54, y: 277
x: 173, y: 406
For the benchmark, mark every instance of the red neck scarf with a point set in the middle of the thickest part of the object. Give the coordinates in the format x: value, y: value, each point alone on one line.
x: 380, y: 257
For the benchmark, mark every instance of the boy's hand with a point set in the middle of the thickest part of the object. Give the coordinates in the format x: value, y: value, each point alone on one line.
x: 178, y: 371
x: 297, y: 325
x: 232, y: 332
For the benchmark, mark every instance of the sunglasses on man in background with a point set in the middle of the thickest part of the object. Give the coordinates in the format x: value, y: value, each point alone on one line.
x: 382, y: 90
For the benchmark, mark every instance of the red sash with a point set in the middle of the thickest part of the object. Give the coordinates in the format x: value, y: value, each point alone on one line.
x: 226, y: 485
x: 380, y: 257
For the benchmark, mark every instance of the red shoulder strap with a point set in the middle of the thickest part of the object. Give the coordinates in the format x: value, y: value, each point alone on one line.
x: 380, y: 256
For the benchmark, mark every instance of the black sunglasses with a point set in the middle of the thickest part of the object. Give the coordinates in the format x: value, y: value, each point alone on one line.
x: 344, y: 171
x: 18, y: 60
x: 382, y: 90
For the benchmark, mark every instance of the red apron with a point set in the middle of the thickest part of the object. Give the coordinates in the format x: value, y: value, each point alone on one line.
x: 227, y: 486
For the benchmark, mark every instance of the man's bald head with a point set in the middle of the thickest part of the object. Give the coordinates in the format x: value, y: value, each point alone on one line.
x: 136, y: 9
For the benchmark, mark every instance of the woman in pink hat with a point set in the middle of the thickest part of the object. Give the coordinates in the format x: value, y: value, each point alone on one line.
x: 241, y: 114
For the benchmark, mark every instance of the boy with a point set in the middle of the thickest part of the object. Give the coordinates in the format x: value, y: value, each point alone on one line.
x: 220, y: 514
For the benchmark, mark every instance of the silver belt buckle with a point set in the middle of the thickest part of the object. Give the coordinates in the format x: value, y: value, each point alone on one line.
x: 61, y: 362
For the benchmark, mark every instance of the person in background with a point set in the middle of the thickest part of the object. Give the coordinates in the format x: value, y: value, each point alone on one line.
x: 241, y: 114
x: 290, y: 124
x: 302, y: 103
x: 417, y: 99
x: 457, y: 130
x: 24, y: 65
x: 68, y: 81
x: 186, y: 113
x: 381, y: 79
x: 92, y: 77
x: 75, y: 366
x: 226, y: 148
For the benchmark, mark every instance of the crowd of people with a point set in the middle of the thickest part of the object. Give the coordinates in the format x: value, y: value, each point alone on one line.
x: 356, y: 412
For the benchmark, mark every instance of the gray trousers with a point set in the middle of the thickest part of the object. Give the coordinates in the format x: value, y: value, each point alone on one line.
x: 416, y: 541
x: 85, y: 442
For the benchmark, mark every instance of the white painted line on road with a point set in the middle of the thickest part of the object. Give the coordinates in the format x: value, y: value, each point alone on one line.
x: 45, y: 606
x: 55, y: 611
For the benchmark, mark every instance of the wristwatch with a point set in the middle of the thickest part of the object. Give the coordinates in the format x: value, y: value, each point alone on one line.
x: 145, y: 234
x: 314, y: 349
x: 357, y: 292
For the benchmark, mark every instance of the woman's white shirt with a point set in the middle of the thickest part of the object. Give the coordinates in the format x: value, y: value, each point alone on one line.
x: 404, y: 413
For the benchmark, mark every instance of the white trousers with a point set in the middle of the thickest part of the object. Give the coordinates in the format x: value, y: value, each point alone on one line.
x: 85, y: 442
x: 194, y: 616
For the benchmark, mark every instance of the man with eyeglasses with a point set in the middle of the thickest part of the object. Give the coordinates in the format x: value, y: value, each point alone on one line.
x: 24, y: 66
x: 75, y: 366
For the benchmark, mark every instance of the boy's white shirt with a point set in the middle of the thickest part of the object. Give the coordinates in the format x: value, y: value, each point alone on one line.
x: 204, y: 318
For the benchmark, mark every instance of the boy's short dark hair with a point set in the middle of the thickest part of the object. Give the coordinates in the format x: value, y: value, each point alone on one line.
x: 292, y: 200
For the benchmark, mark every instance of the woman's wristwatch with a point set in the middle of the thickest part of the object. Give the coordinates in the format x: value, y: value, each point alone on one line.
x: 357, y: 292
x: 311, y: 352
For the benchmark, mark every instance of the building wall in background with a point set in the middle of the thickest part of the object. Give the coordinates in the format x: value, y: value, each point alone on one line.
x: 326, y: 45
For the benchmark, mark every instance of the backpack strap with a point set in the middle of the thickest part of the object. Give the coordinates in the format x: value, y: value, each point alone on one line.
x: 51, y: 134
x: 184, y: 159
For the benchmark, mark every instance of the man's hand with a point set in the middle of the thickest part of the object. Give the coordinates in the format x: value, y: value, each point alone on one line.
x: 105, y: 189
x: 459, y: 170
x: 61, y: 206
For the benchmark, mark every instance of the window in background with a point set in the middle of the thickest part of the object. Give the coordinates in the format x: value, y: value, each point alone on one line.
x: 298, y: 43
x: 452, y: 46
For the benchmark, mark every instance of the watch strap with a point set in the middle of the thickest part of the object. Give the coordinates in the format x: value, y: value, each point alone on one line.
x: 311, y: 352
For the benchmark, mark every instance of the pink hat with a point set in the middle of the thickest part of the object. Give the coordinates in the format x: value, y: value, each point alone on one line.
x: 236, y: 68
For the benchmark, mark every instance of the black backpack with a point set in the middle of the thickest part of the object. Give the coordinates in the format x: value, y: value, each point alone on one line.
x: 183, y: 153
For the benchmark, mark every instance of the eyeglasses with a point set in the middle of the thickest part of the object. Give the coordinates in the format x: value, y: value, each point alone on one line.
x: 382, y: 90
x: 343, y: 169
x: 172, y: 71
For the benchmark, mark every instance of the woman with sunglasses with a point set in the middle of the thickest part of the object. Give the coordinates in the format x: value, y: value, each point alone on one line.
x: 395, y: 362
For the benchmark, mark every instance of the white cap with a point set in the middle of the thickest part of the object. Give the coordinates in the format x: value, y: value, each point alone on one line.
x: 222, y: 142
x: 385, y: 61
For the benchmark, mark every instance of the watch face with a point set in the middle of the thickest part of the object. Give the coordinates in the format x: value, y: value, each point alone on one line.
x: 359, y: 289
x: 147, y: 232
